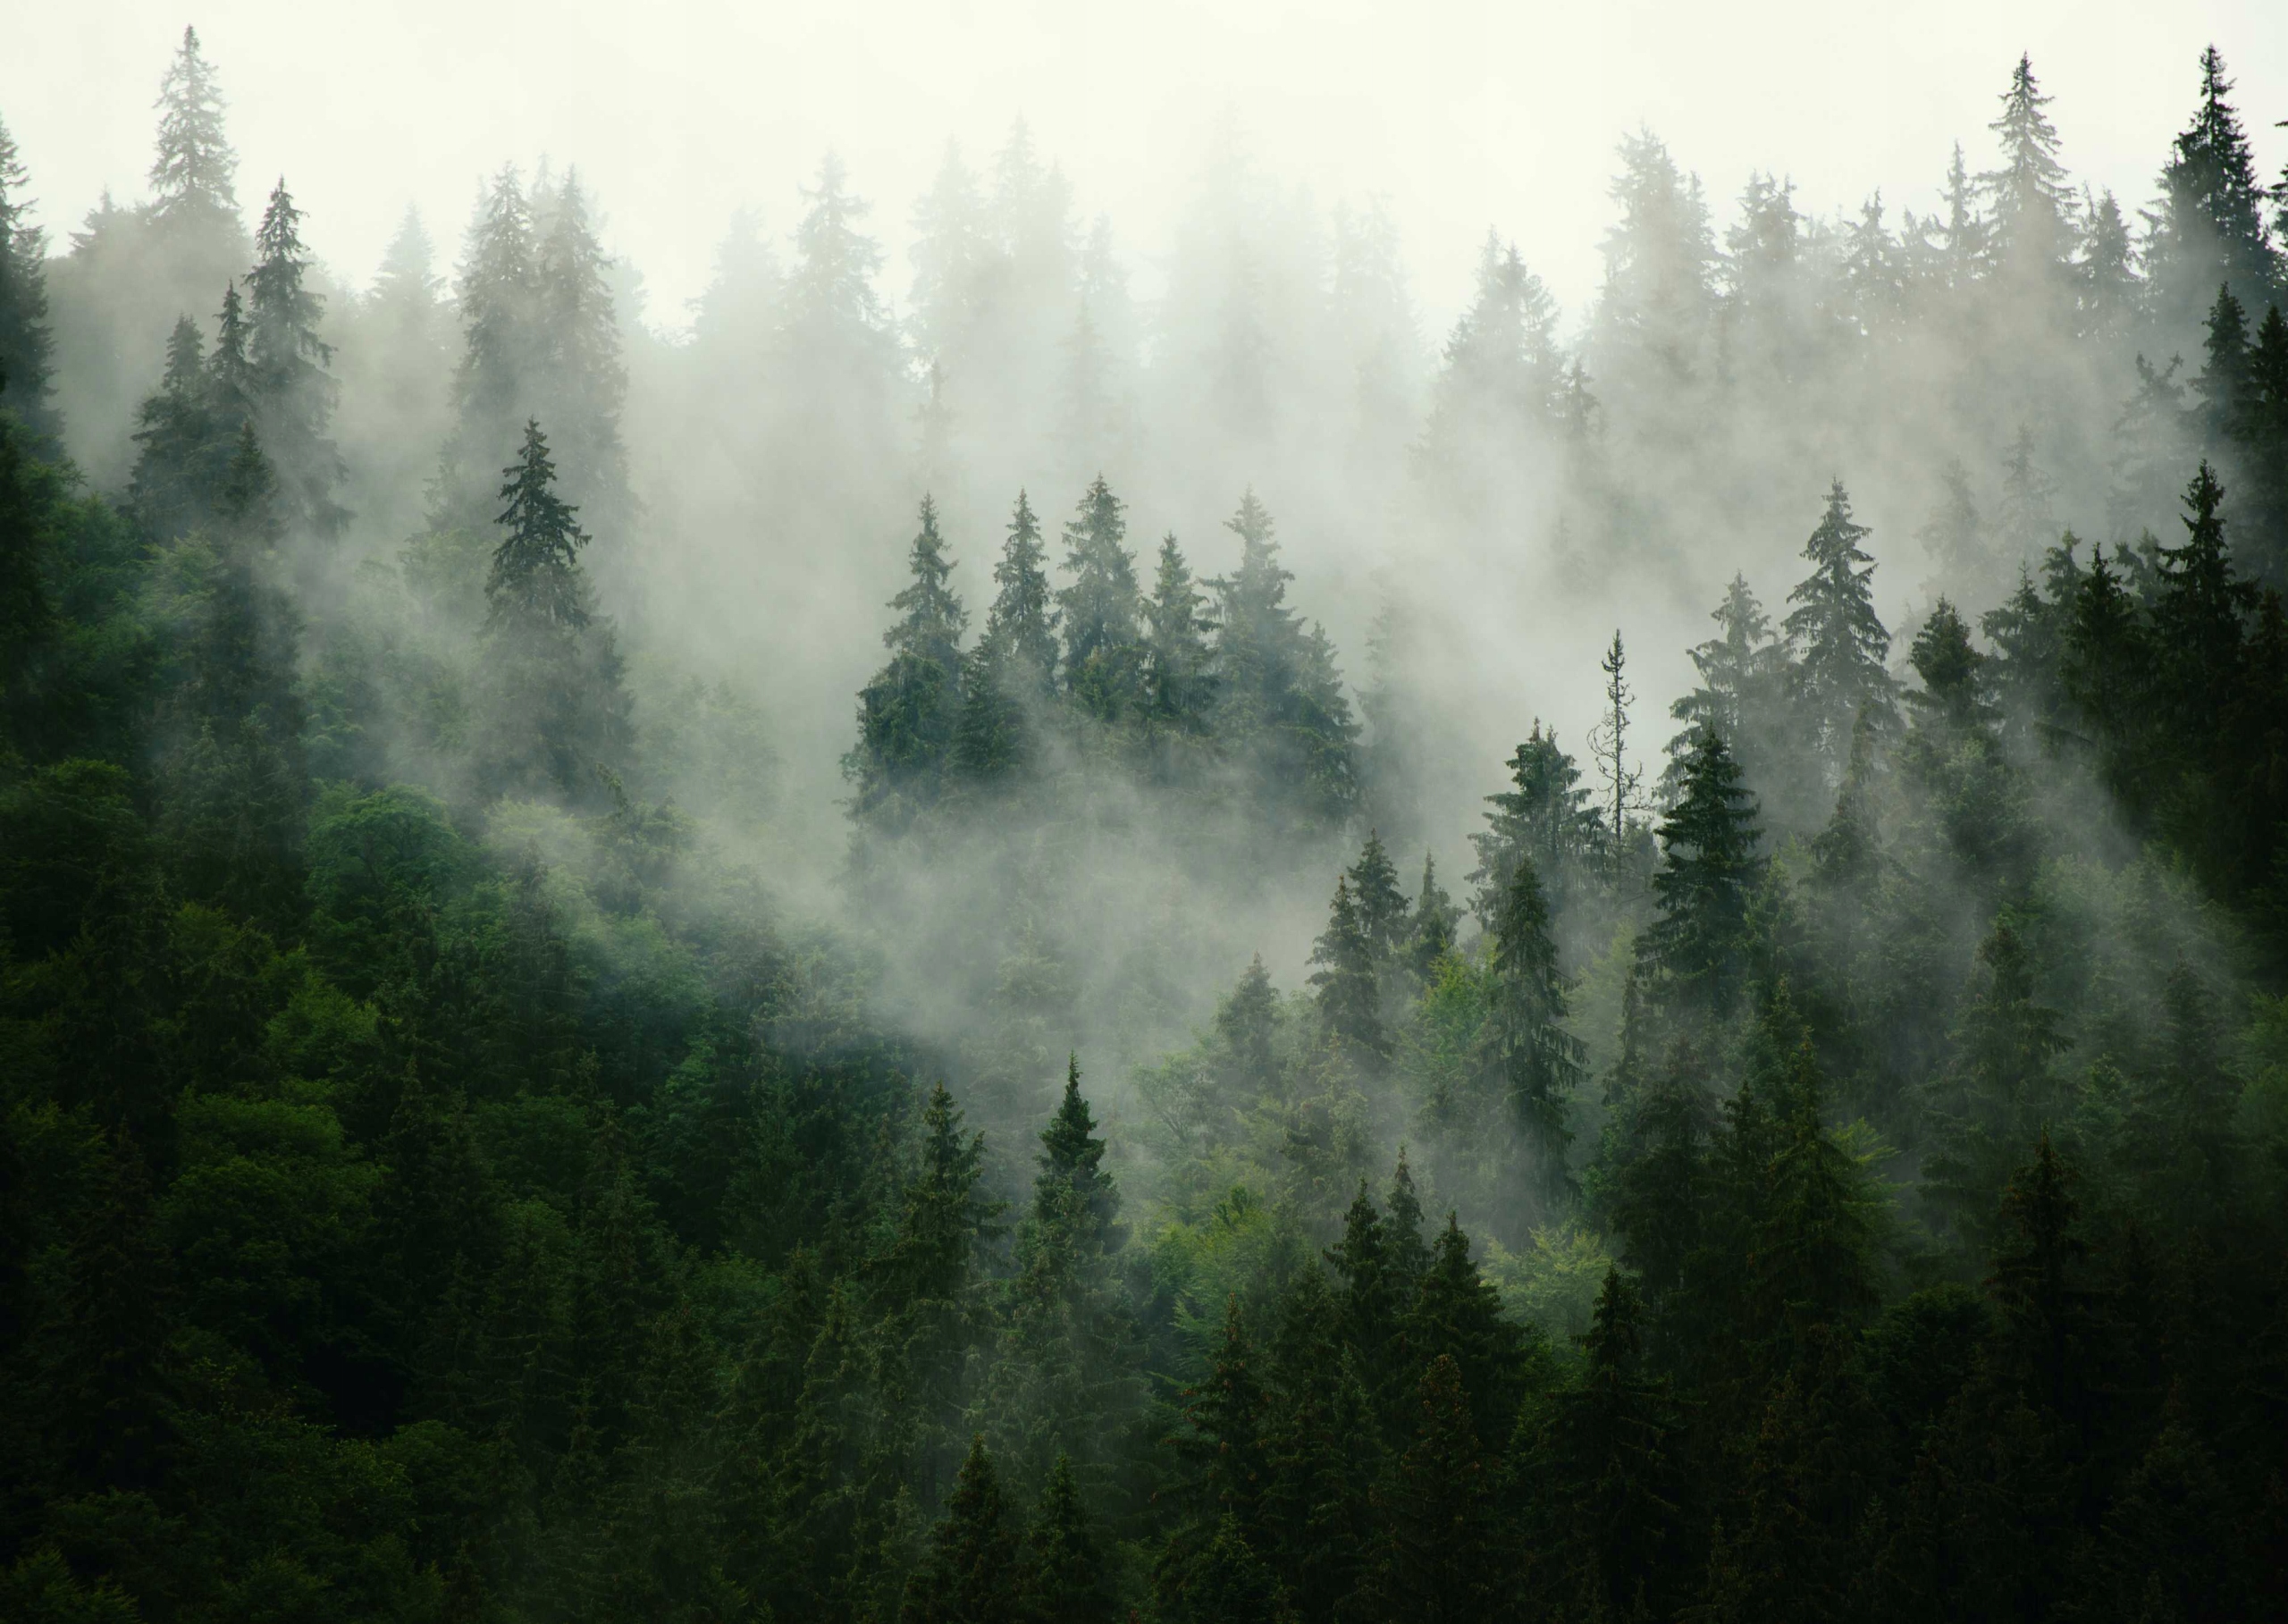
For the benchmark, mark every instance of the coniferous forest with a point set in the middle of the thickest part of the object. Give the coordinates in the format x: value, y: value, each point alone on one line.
x: 1167, y: 1123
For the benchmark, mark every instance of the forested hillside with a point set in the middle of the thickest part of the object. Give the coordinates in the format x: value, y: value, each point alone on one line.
x: 855, y: 966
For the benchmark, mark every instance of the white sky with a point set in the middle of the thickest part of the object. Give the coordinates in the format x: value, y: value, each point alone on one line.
x: 1462, y: 112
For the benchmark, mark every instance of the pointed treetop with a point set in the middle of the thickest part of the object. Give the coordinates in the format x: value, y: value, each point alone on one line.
x: 535, y: 577
x: 192, y: 175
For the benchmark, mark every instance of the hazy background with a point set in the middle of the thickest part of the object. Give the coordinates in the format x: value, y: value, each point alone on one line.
x: 1463, y: 115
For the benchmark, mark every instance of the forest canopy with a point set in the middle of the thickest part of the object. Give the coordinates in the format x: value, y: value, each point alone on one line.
x: 722, y: 979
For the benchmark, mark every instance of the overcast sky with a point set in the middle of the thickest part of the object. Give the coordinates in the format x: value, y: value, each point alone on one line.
x: 1462, y: 114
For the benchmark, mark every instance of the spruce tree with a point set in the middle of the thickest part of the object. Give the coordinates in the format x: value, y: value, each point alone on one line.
x: 1709, y: 867
x: 557, y: 712
x: 295, y: 395
x: 1457, y: 1314
x: 909, y: 714
x: 579, y: 379
x: 1839, y: 639
x: 2223, y: 384
x: 2210, y: 228
x: 1430, y: 933
x: 2200, y: 613
x: 972, y: 1573
x: 1536, y: 1062
x: 1501, y: 382
x: 2031, y: 213
x: 1442, y: 1561
x: 1226, y: 1413
x: 1741, y: 676
x: 192, y: 176
x: 1103, y: 655
x: 1021, y: 626
x: 1349, y: 999
x: 25, y: 368
x: 1066, y: 1579
x: 1178, y: 688
x: 1257, y: 639
x: 176, y: 472
x: 1545, y: 819
x: 1380, y: 904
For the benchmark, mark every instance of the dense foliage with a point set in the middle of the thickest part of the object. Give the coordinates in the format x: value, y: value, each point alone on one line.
x: 441, y: 1178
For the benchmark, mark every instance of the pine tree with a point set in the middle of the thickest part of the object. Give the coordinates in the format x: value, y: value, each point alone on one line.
x: 1608, y: 746
x: 1457, y: 1314
x: 909, y: 714
x: 25, y: 368
x: 2211, y: 229
x: 176, y: 476
x: 1537, y: 1061
x: 2032, y: 216
x: 1442, y: 1561
x: 2200, y: 613
x: 1709, y: 866
x: 535, y: 579
x: 1544, y: 819
x: 1842, y: 641
x: 579, y: 379
x: 192, y: 178
x: 1500, y: 385
x: 1380, y: 904
x: 2107, y: 289
x: 294, y: 391
x: 1066, y: 1580
x: 1227, y: 1413
x: 1103, y: 655
x: 1741, y: 673
x: 1370, y: 1315
x: 1179, y: 689
x: 1021, y: 626
x: 1072, y: 1159
x: 2223, y: 384
x: 556, y: 709
x: 1602, y: 1493
x: 1350, y: 999
x: 1430, y: 933
x: 502, y: 340
x: 1953, y: 692
x: 972, y: 1573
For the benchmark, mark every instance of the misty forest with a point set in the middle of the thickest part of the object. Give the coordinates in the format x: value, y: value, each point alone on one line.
x: 975, y: 939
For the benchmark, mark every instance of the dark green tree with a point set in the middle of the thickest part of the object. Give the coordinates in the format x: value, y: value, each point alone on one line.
x: 1382, y: 905
x: 1102, y: 649
x: 972, y: 1573
x: 1066, y: 1577
x: 1443, y: 1560
x: 295, y: 393
x: 1178, y: 687
x: 909, y: 714
x: 1457, y: 1314
x: 1021, y: 626
x: 1349, y: 996
x: 1537, y: 1061
x: 1545, y: 819
x: 1709, y: 868
x: 2210, y: 227
x: 1839, y: 640
x: 26, y: 362
x: 1430, y: 933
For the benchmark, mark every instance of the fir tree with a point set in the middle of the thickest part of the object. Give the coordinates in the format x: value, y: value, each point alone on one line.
x: 1350, y: 999
x: 1544, y: 819
x: 1608, y: 746
x: 26, y: 371
x: 1021, y: 626
x: 2201, y: 611
x: 1537, y: 1061
x: 1442, y: 1562
x: 578, y: 380
x: 192, y: 176
x: 910, y: 714
x: 1380, y: 904
x: 1842, y: 641
x: 972, y: 1573
x: 2223, y: 383
x: 2032, y: 216
x: 1102, y: 652
x: 1430, y: 933
x: 1178, y: 691
x: 1457, y: 1314
x: 1709, y: 866
x: 176, y: 474
x: 295, y: 393
x: 1227, y: 1413
x: 535, y: 579
x: 1066, y: 1580
x: 2210, y: 228
x: 1741, y: 674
